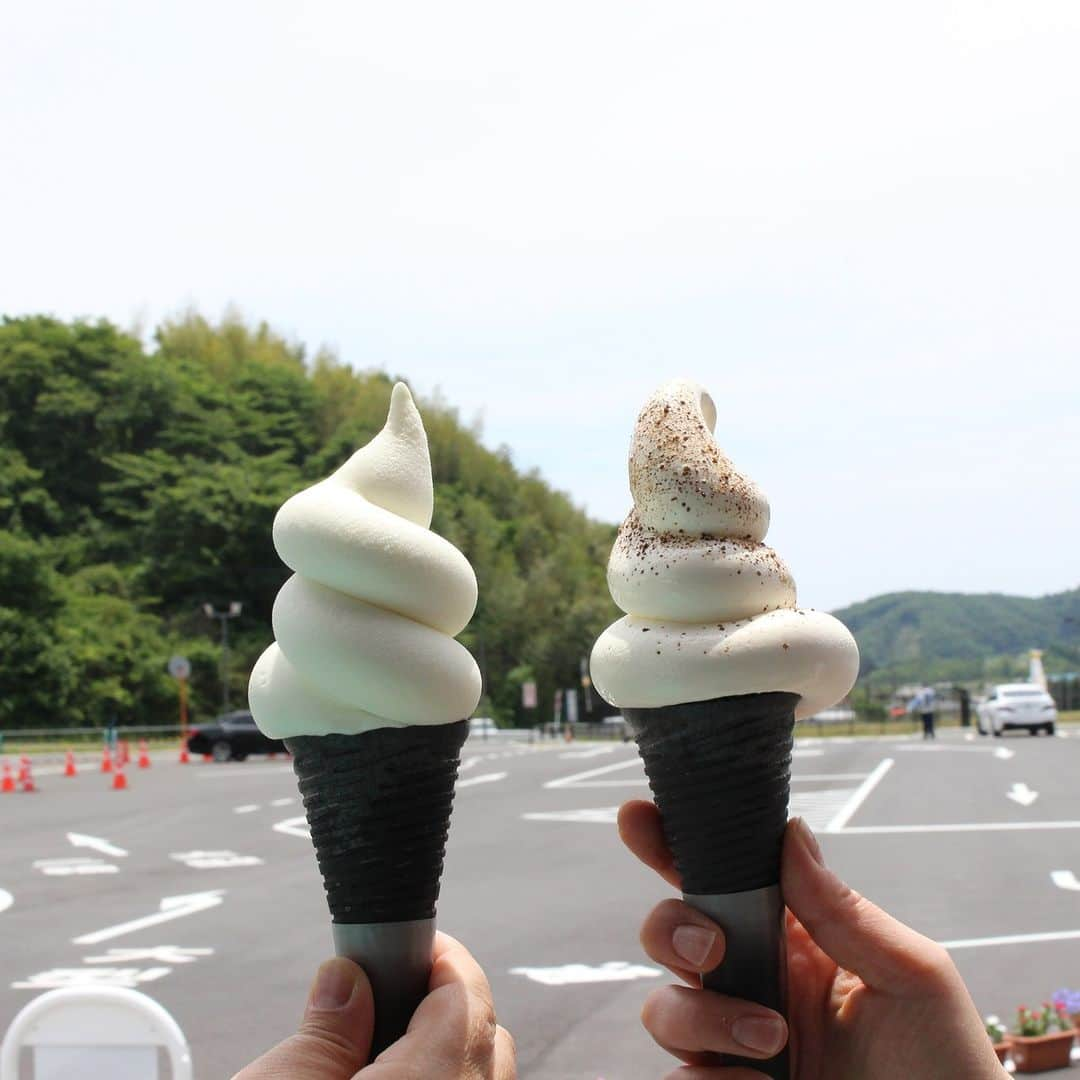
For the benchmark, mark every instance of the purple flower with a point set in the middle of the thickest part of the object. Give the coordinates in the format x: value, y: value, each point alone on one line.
x: 1067, y: 1000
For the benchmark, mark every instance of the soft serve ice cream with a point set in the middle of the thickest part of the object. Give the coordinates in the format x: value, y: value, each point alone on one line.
x: 365, y: 627
x: 710, y: 609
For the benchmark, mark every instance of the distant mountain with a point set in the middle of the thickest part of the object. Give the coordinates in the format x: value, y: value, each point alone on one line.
x: 936, y: 636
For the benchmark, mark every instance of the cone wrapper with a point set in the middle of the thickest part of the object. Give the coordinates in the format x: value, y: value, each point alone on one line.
x: 720, y: 772
x: 378, y: 806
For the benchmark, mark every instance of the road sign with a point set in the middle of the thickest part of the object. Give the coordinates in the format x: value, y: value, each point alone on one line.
x: 528, y: 695
x: 571, y: 705
x: 180, y: 667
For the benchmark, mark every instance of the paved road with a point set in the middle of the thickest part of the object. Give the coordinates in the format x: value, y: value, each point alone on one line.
x: 536, y: 879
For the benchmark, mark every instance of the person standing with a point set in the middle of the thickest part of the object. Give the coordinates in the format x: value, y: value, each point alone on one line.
x: 923, y: 704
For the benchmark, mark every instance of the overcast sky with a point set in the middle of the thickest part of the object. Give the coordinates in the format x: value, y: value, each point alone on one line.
x: 856, y: 224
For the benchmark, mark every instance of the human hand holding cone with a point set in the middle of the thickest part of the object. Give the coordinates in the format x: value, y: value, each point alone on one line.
x: 371, y: 693
x: 711, y: 666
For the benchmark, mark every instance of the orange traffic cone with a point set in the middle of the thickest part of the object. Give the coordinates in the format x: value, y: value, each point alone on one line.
x: 106, y: 760
x: 24, y: 768
x: 125, y: 753
x: 119, y: 780
x: 69, y: 764
x: 28, y: 778
x: 144, y: 755
x: 8, y: 782
x: 207, y: 757
x: 185, y: 757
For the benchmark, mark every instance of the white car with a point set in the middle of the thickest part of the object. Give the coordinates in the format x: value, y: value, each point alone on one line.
x: 483, y: 727
x: 1017, y: 705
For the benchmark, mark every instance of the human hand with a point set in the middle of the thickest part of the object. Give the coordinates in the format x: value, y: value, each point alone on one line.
x: 452, y: 1034
x: 868, y: 997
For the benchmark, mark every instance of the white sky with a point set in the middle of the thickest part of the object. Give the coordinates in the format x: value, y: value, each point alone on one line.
x: 856, y: 224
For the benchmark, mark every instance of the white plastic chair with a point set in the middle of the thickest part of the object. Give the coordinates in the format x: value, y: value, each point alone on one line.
x: 94, y: 1033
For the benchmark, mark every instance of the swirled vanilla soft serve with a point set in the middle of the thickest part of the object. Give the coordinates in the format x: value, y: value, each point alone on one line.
x: 365, y: 626
x: 710, y: 609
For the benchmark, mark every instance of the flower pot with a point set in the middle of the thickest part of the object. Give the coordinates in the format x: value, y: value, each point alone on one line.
x: 1039, y: 1053
x: 1002, y: 1050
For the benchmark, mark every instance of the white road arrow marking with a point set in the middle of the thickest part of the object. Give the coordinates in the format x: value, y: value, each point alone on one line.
x: 95, y: 843
x: 6, y: 899
x: 1004, y: 753
x: 80, y: 864
x: 214, y: 860
x: 160, y: 954
x: 294, y: 826
x: 1065, y: 879
x: 604, y: 815
x: 1022, y: 794
x: 487, y: 778
x: 172, y: 907
x: 569, y: 974
x: 247, y: 808
x: 57, y: 978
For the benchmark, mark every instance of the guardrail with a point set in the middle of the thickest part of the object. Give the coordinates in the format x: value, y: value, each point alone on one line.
x: 46, y: 739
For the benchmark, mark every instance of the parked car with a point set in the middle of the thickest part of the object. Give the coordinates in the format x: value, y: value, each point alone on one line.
x: 483, y: 727
x: 232, y: 737
x: 1017, y: 705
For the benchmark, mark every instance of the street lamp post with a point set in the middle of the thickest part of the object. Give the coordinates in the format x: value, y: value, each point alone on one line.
x: 231, y: 612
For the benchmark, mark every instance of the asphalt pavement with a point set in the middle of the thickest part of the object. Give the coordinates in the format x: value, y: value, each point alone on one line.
x: 198, y: 885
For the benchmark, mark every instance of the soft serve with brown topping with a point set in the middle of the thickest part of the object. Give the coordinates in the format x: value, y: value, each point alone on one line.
x: 710, y: 608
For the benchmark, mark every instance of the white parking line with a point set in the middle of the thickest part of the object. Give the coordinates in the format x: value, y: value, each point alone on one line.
x: 859, y: 796
x: 1012, y: 939
x: 282, y: 802
x: 487, y: 778
x: 807, y: 777
x: 987, y: 826
x: 248, y: 809
x: 241, y: 770
x: 576, y: 780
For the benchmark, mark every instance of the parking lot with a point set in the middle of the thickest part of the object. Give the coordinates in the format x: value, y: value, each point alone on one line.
x: 198, y: 885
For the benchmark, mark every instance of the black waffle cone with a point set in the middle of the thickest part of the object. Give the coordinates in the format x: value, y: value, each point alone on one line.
x: 720, y: 772
x: 378, y: 806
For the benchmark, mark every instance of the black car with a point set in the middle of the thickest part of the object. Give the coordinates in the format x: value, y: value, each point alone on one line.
x: 231, y: 738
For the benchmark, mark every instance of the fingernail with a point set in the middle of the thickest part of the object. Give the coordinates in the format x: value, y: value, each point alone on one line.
x: 334, y: 984
x: 809, y: 841
x: 693, y: 943
x: 765, y: 1034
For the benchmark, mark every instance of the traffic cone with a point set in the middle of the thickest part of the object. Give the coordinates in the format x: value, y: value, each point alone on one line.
x: 144, y: 755
x: 8, y: 782
x: 69, y: 765
x: 106, y: 760
x: 125, y: 755
x: 185, y: 757
x: 28, y: 779
x: 119, y: 780
x: 208, y: 757
x: 24, y: 768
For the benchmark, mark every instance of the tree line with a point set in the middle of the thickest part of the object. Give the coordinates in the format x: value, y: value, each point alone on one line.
x: 139, y: 483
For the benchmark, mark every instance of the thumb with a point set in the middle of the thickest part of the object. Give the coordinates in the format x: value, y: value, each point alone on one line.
x: 334, y: 1039
x: 853, y: 932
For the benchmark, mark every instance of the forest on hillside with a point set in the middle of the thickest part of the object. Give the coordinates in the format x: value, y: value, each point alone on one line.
x: 965, y: 638
x: 138, y: 484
